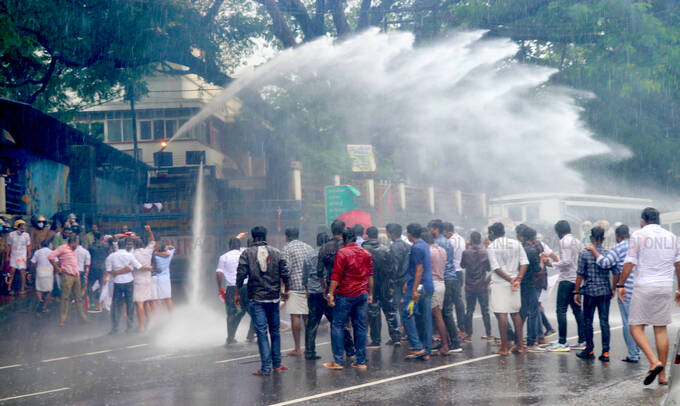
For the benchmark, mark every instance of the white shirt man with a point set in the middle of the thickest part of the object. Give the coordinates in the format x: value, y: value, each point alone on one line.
x: 569, y: 250
x: 19, y: 242
x: 44, y: 279
x: 227, y: 265
x: 119, y: 260
x: 84, y: 259
x: 506, y: 254
x: 458, y: 244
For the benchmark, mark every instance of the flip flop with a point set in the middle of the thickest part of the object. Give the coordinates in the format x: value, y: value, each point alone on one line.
x: 260, y: 373
x: 652, y: 373
x: 632, y: 361
x: 663, y: 383
x: 281, y: 368
x: 333, y: 365
x: 414, y: 355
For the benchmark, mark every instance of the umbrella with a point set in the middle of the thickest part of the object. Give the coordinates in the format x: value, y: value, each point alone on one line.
x: 353, y: 217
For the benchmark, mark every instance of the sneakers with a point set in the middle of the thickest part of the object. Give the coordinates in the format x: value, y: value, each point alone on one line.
x: 579, y: 346
x: 558, y: 348
x: 604, y: 357
x: 585, y: 354
x: 535, y: 348
x: 550, y: 333
x: 373, y: 346
x: 455, y: 350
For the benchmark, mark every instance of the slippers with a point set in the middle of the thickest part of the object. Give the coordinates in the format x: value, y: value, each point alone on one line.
x: 652, y: 373
x: 632, y: 361
x: 663, y: 383
x: 260, y: 373
x: 333, y: 365
x: 281, y: 368
x: 361, y: 367
x: 416, y: 355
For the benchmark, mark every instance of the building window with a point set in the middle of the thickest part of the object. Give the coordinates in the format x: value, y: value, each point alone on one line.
x: 195, y: 157
x: 145, y: 130
x: 162, y: 158
x: 113, y: 131
x: 170, y: 128
x: 158, y: 130
x: 127, y: 131
x: 515, y: 213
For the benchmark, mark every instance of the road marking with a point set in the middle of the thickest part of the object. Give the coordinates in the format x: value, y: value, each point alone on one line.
x: 224, y: 361
x: 93, y: 353
x: 34, y: 394
x: 11, y: 366
x: 619, y: 327
x: 386, y: 380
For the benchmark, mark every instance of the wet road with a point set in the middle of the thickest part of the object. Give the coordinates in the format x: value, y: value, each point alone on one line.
x: 82, y: 365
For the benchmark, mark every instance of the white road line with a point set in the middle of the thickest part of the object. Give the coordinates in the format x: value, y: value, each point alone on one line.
x: 34, y: 394
x: 11, y: 366
x: 93, y: 353
x: 386, y: 380
x: 224, y: 361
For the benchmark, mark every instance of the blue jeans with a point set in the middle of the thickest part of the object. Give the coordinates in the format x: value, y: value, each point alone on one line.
x: 356, y: 308
x: 266, y: 315
x: 420, y: 339
x: 531, y: 312
x: 633, y: 349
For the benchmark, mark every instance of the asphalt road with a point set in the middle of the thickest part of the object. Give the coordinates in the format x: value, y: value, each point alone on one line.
x: 83, y: 365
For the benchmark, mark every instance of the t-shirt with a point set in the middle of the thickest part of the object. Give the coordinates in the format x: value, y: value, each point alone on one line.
x: 227, y: 266
x: 119, y: 260
x: 84, y: 259
x: 420, y: 255
x: 654, y: 251
x: 40, y: 259
x: 438, y: 258
x: 19, y: 242
x: 506, y: 254
x: 475, y: 261
x: 163, y: 264
x: 352, y: 268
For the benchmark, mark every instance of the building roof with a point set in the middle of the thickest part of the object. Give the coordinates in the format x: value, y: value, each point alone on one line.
x: 45, y: 136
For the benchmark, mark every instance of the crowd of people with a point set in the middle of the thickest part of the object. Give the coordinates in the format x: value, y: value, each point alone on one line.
x: 88, y: 269
x: 417, y: 282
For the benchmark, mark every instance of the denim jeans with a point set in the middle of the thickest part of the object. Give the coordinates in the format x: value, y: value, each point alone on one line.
x: 451, y: 296
x: 397, y: 300
x: 590, y: 303
x: 531, y: 313
x: 318, y: 307
x: 421, y: 338
x: 356, y: 309
x: 266, y: 316
x: 471, y: 300
x: 633, y: 349
x: 565, y: 299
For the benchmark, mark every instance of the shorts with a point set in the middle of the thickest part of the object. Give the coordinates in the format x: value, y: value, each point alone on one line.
x: 17, y: 263
x: 163, y: 287
x: 297, y: 303
x: 502, y: 299
x: 651, y: 305
x: 44, y: 280
x: 438, y: 295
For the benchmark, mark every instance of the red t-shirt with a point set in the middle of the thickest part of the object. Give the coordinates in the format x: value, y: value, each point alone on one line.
x: 352, y: 268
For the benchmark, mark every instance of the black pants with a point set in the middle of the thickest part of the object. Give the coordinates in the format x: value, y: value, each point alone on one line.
x: 546, y: 323
x: 451, y: 297
x: 383, y: 301
x: 471, y: 298
x: 602, y: 305
x: 565, y: 299
x: 122, y: 293
x: 318, y: 307
x: 235, y: 314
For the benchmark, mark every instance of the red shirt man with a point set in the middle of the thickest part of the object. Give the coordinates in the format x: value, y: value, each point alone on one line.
x: 352, y: 269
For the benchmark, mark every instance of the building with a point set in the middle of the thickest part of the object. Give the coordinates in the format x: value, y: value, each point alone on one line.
x: 48, y: 166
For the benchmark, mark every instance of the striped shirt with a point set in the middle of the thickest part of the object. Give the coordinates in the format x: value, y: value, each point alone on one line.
x: 615, y: 258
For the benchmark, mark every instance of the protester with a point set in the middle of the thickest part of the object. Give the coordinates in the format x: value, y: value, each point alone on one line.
x: 84, y: 263
x: 654, y: 252
x: 419, y: 273
x: 438, y: 261
x: 295, y: 253
x: 458, y: 244
x: 359, y: 232
x: 65, y: 261
x: 226, y: 286
x: 399, y: 251
x: 316, y: 302
x: 327, y: 254
x: 266, y: 269
x: 18, y: 251
x: 452, y: 296
x: 382, y: 296
x: 569, y: 250
x: 143, y: 292
x: 615, y: 258
x: 597, y: 292
x: 530, y: 286
x: 89, y: 238
x: 99, y: 250
x: 119, y: 266
x: 44, y: 276
x: 352, y: 281
x: 161, y: 275
x: 475, y: 260
x: 508, y: 262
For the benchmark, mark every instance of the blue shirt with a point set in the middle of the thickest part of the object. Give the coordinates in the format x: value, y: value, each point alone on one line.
x: 450, y: 270
x: 420, y: 255
x: 615, y: 258
x: 163, y: 264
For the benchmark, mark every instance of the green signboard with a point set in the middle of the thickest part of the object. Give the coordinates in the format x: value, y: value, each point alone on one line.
x: 339, y: 200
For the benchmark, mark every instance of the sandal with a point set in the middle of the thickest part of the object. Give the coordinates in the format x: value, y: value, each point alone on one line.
x: 652, y: 373
x: 281, y: 368
x: 663, y: 383
x: 361, y: 367
x: 333, y: 365
x: 502, y: 352
x: 416, y: 355
x: 261, y: 373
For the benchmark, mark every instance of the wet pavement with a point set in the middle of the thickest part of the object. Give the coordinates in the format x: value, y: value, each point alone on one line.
x: 83, y: 365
